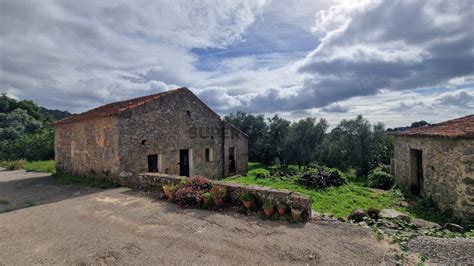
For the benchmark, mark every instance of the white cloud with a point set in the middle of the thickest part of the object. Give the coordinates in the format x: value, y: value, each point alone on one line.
x: 372, y: 57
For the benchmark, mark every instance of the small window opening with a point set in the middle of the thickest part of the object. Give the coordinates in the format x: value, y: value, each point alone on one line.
x: 188, y: 113
x: 144, y: 142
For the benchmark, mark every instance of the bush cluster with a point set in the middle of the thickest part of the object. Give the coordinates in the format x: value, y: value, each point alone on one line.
x: 379, y: 178
x: 13, y: 165
x: 322, y: 177
x: 190, y: 191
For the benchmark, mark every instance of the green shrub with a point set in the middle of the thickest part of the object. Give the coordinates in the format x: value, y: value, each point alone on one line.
x: 246, y: 196
x: 36, y: 146
x: 13, y: 165
x: 267, y: 204
x: 380, y: 179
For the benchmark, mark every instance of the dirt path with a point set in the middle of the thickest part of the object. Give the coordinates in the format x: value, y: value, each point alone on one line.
x: 76, y: 225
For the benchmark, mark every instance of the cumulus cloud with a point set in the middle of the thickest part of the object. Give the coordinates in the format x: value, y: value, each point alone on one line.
x: 69, y: 54
x: 374, y: 45
x: 457, y: 99
x: 340, y: 58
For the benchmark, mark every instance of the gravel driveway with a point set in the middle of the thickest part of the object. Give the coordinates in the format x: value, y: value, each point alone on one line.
x: 71, y: 224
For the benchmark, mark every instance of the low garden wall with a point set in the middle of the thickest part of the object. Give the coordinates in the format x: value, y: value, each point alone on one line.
x: 150, y: 181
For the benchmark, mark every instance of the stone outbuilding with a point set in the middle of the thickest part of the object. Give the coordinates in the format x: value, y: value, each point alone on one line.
x: 437, y: 162
x: 172, y: 132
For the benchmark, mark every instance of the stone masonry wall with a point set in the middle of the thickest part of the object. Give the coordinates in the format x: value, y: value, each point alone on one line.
x: 235, y: 138
x: 177, y: 121
x: 88, y: 148
x: 151, y: 181
x: 448, y: 171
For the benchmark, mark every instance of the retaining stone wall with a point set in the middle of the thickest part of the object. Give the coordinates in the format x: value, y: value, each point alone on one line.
x: 150, y: 181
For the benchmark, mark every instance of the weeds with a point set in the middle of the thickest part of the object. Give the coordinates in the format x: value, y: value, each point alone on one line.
x: 41, y: 166
x: 13, y: 165
x: 29, y: 203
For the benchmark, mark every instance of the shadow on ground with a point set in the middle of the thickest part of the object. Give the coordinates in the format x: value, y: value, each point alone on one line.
x: 21, y: 189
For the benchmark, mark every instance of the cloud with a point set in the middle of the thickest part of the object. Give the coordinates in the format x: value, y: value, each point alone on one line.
x: 335, y: 108
x: 457, y: 99
x: 76, y: 55
x: 341, y: 58
x: 370, y: 46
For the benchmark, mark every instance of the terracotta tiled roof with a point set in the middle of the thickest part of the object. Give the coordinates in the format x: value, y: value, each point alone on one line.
x: 116, y: 107
x: 457, y: 128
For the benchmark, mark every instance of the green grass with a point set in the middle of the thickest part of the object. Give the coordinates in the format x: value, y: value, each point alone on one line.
x: 339, y: 201
x: 29, y: 203
x: 41, y: 166
x: 426, y: 209
x: 85, y: 181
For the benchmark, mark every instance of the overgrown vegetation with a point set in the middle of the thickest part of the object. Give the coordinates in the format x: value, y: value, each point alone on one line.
x: 41, y: 166
x: 26, y: 130
x: 380, y: 178
x: 13, y: 165
x: 426, y: 209
x: 352, y: 143
x: 338, y: 201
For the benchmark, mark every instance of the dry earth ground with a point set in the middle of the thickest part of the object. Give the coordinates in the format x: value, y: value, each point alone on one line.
x: 72, y: 224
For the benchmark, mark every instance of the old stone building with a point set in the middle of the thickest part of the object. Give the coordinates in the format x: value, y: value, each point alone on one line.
x: 172, y: 132
x: 437, y: 162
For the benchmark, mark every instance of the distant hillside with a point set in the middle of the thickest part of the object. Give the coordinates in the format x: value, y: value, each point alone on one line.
x: 8, y: 105
x: 55, y: 114
x: 421, y: 123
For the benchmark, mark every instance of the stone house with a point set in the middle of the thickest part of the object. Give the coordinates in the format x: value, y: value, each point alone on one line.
x: 437, y: 162
x: 171, y: 132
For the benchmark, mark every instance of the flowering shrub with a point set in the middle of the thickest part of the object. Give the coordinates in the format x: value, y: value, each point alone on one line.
x: 191, y: 190
x: 218, y: 192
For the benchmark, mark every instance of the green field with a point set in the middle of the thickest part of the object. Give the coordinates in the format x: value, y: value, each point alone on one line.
x: 338, y: 201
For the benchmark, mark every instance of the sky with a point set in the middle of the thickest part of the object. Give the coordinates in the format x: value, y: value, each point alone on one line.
x: 391, y: 61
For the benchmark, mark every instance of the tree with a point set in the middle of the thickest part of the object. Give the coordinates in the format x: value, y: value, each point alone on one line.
x: 278, y: 130
x: 25, y: 130
x: 304, y: 140
x: 256, y: 128
x: 358, y: 144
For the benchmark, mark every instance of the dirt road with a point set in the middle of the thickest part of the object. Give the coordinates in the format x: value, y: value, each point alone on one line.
x: 76, y: 224
x: 67, y: 224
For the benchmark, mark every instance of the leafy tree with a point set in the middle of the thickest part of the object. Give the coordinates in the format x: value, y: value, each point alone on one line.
x: 358, y: 144
x: 304, y: 140
x: 26, y: 130
x: 256, y: 128
x: 17, y: 123
x: 278, y: 131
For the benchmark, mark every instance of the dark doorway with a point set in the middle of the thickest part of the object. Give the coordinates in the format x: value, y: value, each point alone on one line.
x: 184, y: 162
x: 417, y: 171
x: 231, y: 160
x: 153, y: 163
